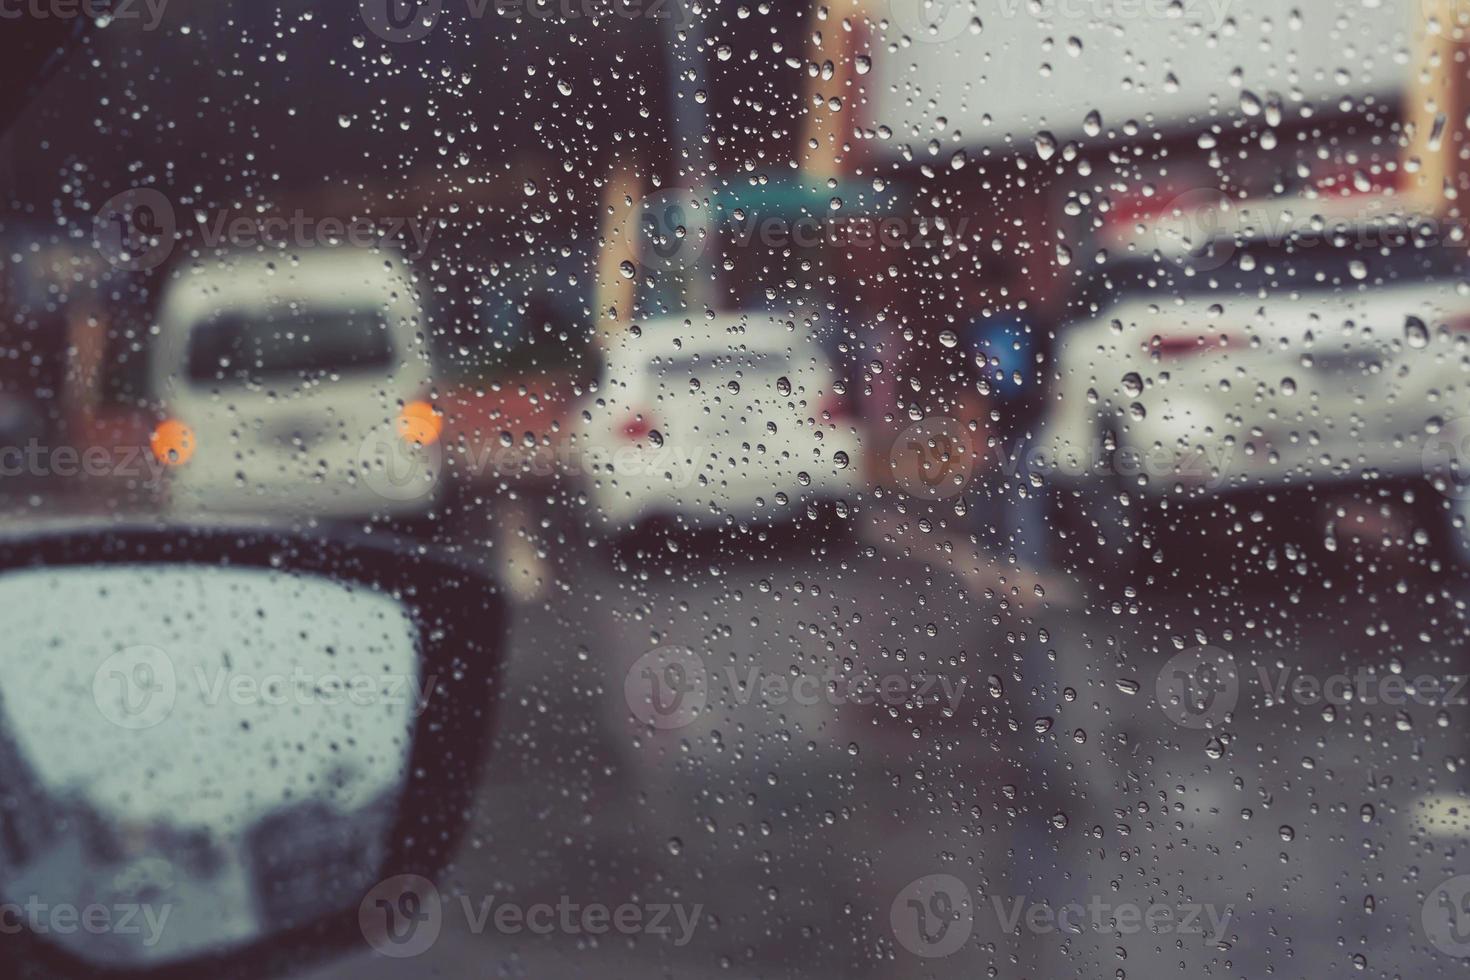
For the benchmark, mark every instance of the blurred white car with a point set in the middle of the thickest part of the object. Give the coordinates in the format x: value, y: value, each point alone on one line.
x: 1325, y: 366
x: 295, y: 385
x: 740, y: 417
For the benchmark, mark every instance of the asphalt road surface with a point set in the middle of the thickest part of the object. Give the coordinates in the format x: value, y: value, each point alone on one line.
x: 866, y: 751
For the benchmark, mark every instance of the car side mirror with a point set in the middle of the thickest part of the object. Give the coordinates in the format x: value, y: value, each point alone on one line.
x: 215, y: 741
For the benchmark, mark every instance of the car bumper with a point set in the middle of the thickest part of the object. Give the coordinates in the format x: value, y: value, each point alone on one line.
x: 626, y: 498
x: 330, y: 500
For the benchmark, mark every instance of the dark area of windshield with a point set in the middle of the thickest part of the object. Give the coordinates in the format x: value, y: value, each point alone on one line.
x: 238, y: 347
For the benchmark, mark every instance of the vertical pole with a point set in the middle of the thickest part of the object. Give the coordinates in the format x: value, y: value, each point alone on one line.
x: 613, y: 290
x: 1436, y: 104
x: 686, y: 40
x: 834, y: 43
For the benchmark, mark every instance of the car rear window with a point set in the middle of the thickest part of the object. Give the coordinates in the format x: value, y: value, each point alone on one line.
x: 244, y: 348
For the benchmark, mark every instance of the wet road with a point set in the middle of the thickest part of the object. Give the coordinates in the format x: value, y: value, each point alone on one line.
x: 886, y: 707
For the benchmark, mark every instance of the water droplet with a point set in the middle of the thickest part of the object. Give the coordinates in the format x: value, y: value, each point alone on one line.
x: 1416, y: 333
x: 1046, y: 145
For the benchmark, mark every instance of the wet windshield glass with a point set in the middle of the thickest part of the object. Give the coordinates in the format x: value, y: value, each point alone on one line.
x: 975, y: 489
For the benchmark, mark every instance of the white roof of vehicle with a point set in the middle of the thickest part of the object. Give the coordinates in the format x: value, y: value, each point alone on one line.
x: 1034, y: 66
x: 343, y: 276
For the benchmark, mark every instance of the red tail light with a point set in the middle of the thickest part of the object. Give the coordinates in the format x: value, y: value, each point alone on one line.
x: 835, y: 407
x: 419, y: 424
x: 637, y: 427
x: 1182, y: 345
